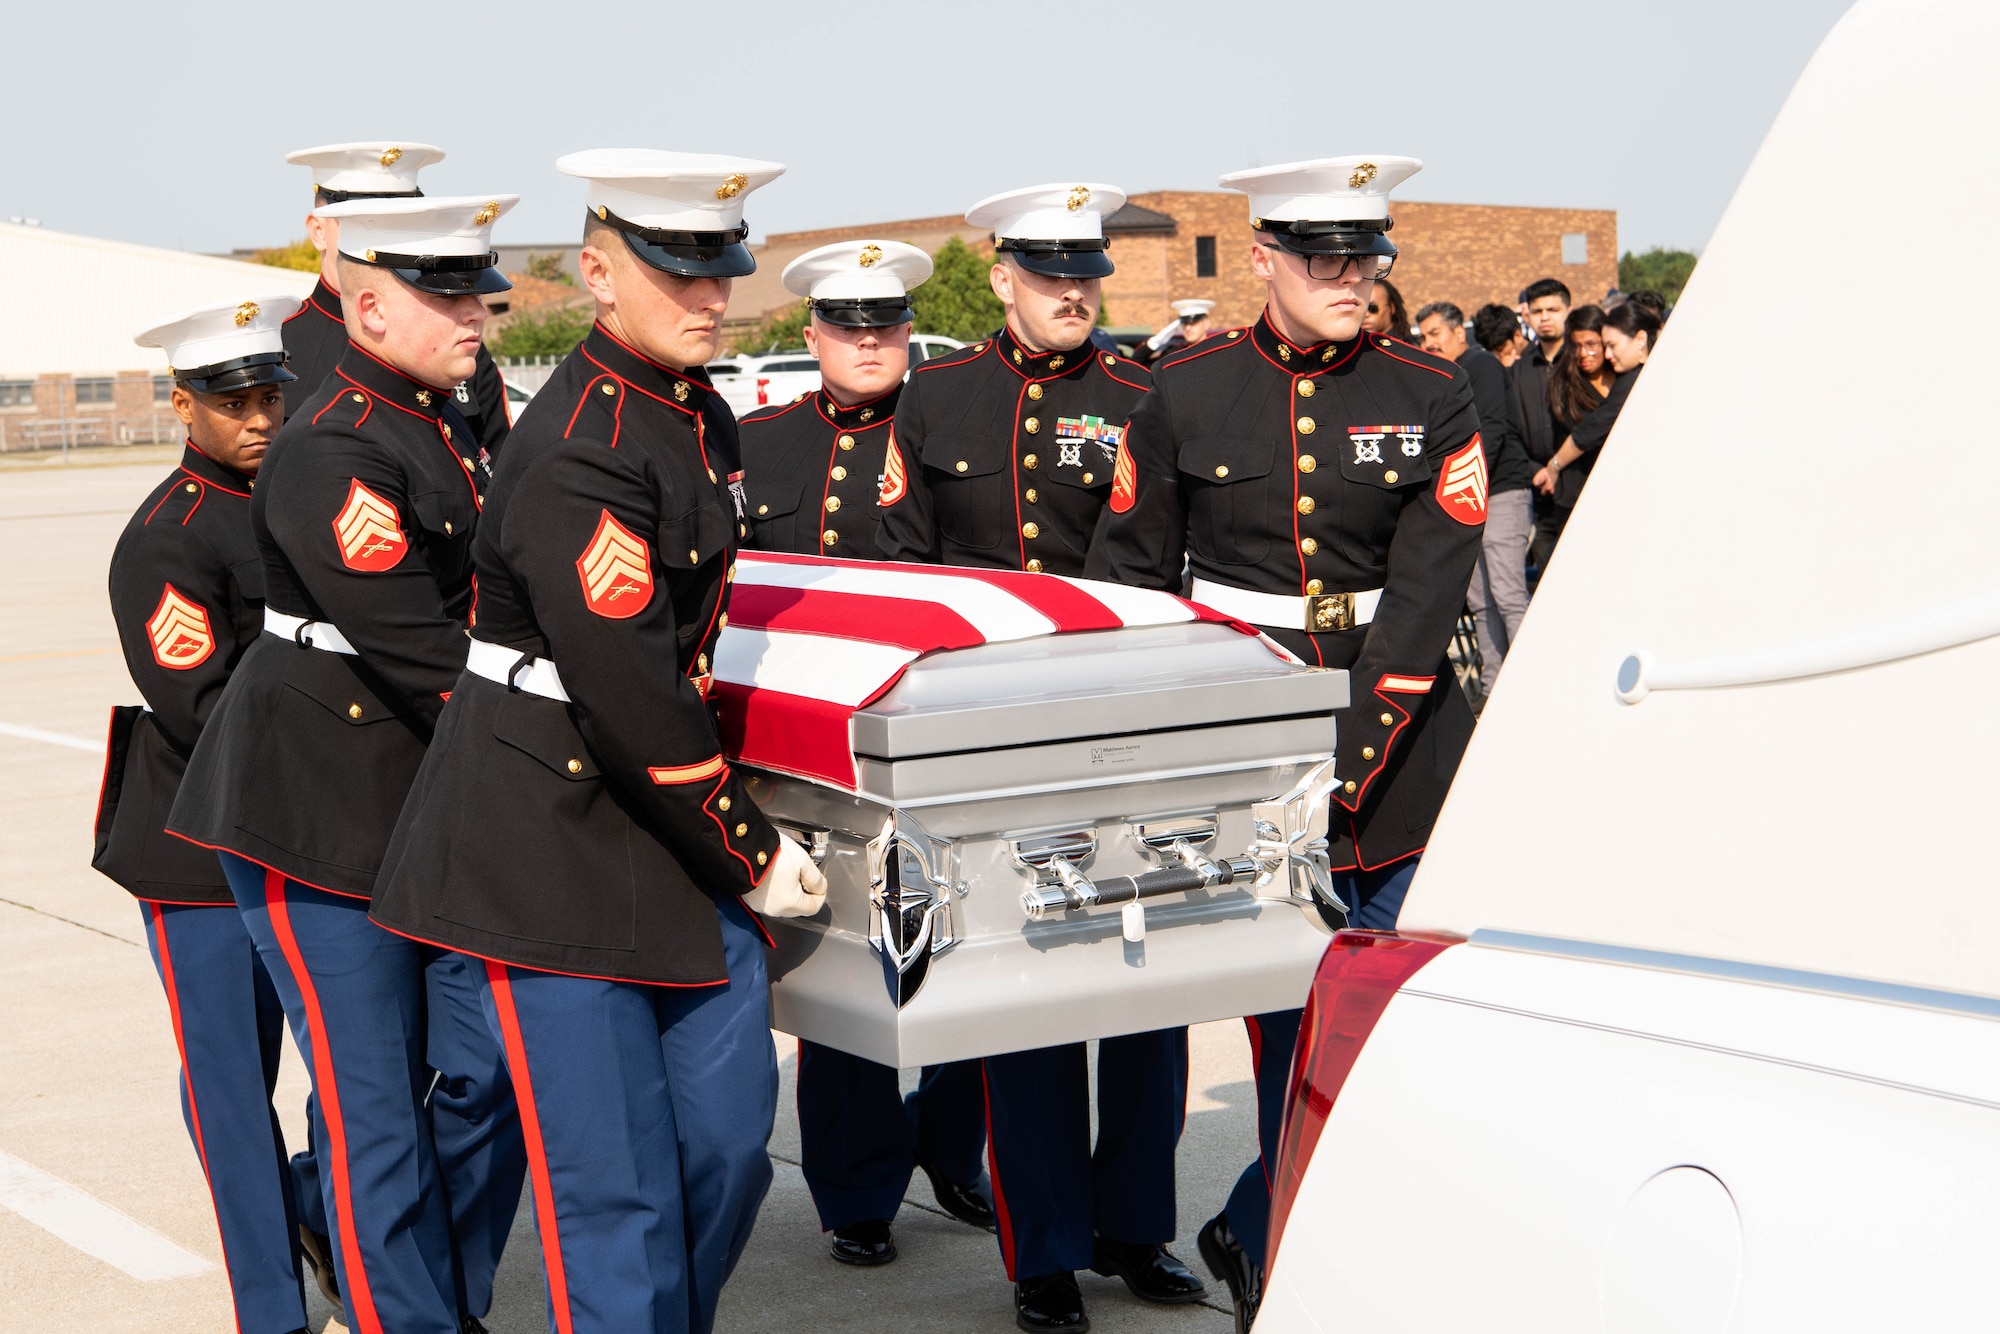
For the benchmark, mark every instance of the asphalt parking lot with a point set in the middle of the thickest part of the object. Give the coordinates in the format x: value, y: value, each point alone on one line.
x: 105, y: 1222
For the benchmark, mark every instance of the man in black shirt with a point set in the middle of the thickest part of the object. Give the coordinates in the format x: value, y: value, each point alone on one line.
x: 1545, y: 307
x: 1498, y: 594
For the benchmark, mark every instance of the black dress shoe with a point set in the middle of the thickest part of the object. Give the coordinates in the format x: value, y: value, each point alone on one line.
x: 469, y: 1324
x: 1052, y: 1301
x: 317, y: 1248
x: 1150, y: 1271
x: 868, y: 1243
x: 1226, y: 1259
x: 968, y: 1204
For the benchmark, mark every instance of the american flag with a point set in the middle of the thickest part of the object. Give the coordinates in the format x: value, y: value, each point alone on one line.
x: 812, y: 640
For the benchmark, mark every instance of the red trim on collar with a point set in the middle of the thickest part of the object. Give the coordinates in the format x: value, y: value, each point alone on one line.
x: 637, y: 389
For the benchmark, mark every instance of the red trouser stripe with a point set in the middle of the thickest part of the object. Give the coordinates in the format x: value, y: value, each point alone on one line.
x: 158, y: 920
x: 993, y: 1171
x: 531, y: 1131
x: 1256, y: 1076
x: 354, y: 1279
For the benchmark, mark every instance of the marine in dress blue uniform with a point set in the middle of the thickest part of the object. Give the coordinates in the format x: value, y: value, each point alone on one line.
x: 316, y: 337
x: 812, y: 474
x: 363, y: 520
x: 1003, y: 459
x: 616, y: 908
x: 1330, y: 487
x: 187, y: 594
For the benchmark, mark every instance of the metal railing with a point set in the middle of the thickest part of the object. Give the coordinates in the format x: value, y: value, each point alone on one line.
x: 88, y: 430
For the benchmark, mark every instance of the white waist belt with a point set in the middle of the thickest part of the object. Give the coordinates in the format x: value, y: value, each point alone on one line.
x: 1315, y: 613
x: 312, y: 634
x: 509, y: 667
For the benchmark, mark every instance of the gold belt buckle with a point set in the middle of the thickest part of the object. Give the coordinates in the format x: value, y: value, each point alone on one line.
x: 1329, y: 611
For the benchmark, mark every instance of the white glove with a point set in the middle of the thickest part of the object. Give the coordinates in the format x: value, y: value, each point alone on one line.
x: 794, y: 887
x: 1163, y: 337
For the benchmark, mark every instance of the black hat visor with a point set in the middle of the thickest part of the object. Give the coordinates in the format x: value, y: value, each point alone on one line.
x: 1327, y: 238
x: 1082, y: 257
x: 687, y: 254
x: 227, y: 377
x: 881, y: 312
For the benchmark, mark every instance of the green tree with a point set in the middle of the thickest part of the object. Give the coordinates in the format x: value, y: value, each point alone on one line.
x: 299, y: 254
x: 958, y: 301
x: 553, y: 333
x: 549, y: 268
x: 1659, y: 270
x: 783, y: 330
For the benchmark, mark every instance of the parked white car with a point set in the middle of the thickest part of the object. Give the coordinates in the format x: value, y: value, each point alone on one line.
x: 1692, y: 1018
x: 749, y: 383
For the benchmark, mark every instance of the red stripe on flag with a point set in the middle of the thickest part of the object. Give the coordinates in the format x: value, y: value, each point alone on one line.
x: 790, y: 733
x: 1068, y: 606
x: 902, y: 622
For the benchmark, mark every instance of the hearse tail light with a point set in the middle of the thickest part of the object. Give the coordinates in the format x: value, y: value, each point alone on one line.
x: 1357, y: 976
x: 763, y: 392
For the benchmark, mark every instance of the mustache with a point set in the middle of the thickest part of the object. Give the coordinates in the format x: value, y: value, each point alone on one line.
x: 1076, y: 308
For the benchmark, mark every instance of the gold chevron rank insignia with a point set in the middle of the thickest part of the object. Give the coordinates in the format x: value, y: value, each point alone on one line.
x: 180, y: 632
x: 616, y: 570
x: 369, y: 531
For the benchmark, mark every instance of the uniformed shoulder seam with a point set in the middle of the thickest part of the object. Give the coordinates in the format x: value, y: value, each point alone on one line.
x: 1181, y: 356
x: 1381, y: 339
x: 1111, y: 372
x: 773, y: 411
x: 587, y: 399
x: 959, y: 357
x: 348, y: 396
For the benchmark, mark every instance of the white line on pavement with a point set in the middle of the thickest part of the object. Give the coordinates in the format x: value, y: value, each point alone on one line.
x: 53, y: 738
x: 91, y: 1225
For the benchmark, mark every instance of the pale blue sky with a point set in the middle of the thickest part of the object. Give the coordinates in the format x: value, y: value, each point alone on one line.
x: 168, y: 125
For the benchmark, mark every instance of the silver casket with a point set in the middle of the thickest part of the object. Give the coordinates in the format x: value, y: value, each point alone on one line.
x: 1060, y: 838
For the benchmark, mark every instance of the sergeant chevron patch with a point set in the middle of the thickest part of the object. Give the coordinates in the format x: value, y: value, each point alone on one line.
x: 180, y: 632
x: 616, y: 570
x: 1124, y: 481
x: 1461, y: 487
x: 369, y: 531
x: 895, y: 479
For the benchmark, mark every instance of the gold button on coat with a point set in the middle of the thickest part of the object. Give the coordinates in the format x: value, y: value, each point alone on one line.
x: 1308, y: 546
x: 1368, y: 752
x: 1307, y: 463
x: 1033, y: 425
x: 1034, y: 567
x: 693, y: 555
x: 1314, y: 588
x: 763, y: 509
x: 763, y: 857
x: 1222, y: 470
x: 1034, y: 391
x: 610, y: 389
x: 829, y: 537
x: 1305, y: 504
x: 1349, y: 787
x: 192, y: 487
x: 847, y: 442
x: 832, y: 504
x: 1032, y: 495
x: 701, y: 665
x: 742, y: 829
x: 1031, y: 530
x: 1030, y: 462
x: 576, y: 766
x: 447, y: 527
x: 1388, y: 720
x: 1088, y: 479
x: 839, y: 474
x: 722, y: 804
x: 1306, y: 389
x: 1307, y: 426
x: 722, y: 621
x: 962, y: 465
x: 1389, y: 477
x: 354, y: 710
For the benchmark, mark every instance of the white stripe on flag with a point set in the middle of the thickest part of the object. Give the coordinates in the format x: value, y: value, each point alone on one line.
x: 1135, y: 606
x: 839, y: 671
x: 992, y: 610
x: 92, y: 1226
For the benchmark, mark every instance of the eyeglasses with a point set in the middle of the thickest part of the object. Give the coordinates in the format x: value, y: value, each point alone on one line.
x: 1374, y: 309
x: 1332, y: 268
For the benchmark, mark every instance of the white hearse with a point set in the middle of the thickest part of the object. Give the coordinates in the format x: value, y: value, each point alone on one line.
x: 1692, y: 1021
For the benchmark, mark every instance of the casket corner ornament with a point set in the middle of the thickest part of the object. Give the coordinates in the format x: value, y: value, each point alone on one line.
x: 1082, y: 811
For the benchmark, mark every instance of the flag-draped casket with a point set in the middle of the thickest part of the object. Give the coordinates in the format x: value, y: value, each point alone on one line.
x: 1036, y: 801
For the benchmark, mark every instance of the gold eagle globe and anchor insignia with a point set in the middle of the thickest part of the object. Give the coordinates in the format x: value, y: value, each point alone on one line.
x: 1079, y: 195
x: 870, y: 254
x: 489, y: 211
x: 390, y: 156
x: 246, y: 312
x: 733, y: 185
x: 1361, y: 176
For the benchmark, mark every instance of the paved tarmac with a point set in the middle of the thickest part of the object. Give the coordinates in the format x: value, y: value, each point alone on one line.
x: 92, y: 1148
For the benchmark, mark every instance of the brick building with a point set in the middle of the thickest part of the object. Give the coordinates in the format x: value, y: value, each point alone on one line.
x: 1172, y: 244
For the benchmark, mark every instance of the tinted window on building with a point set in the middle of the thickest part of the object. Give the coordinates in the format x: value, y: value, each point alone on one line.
x: 163, y: 389
x: 1576, y: 248
x: 17, y: 393
x: 1204, y: 256
x: 93, y: 391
